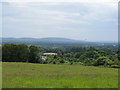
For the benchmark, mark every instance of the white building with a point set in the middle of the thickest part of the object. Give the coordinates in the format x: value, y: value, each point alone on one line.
x: 44, y: 57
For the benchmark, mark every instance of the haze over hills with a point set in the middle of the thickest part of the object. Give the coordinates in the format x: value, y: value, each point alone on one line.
x: 53, y: 41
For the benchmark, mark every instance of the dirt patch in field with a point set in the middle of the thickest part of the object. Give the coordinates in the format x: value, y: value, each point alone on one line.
x: 14, y: 65
x: 97, y: 74
x: 9, y: 65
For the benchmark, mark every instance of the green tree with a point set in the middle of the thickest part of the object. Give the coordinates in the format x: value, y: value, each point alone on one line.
x: 23, y: 52
x: 34, y: 54
x: 9, y: 53
x: 103, y: 61
x: 15, y: 53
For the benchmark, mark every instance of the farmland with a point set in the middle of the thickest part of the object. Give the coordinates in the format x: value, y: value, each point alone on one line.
x: 30, y: 75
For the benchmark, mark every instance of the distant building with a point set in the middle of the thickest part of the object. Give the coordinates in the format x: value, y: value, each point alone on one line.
x: 44, y: 57
x: 49, y: 53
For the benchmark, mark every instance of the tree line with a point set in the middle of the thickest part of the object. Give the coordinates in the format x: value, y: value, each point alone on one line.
x: 90, y: 56
x: 20, y: 53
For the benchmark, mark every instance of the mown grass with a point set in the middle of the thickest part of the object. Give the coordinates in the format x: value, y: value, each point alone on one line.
x: 27, y: 75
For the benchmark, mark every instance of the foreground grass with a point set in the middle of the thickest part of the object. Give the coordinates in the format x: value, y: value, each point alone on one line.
x: 1, y: 75
x: 27, y: 75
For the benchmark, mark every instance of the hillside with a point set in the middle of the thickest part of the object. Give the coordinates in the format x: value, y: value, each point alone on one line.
x: 54, y: 41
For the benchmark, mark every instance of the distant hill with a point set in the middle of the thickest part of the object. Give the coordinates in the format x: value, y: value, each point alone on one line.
x: 56, y: 39
x: 52, y: 41
x: 49, y: 39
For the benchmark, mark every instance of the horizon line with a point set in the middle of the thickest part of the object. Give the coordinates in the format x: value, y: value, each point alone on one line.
x: 61, y: 37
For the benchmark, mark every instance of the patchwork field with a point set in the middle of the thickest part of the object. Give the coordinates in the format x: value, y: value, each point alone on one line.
x: 28, y: 75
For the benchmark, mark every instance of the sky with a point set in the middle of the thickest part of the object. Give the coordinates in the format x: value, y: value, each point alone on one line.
x: 90, y: 20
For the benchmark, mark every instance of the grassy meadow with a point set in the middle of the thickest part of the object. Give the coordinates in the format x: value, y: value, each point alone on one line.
x: 28, y: 75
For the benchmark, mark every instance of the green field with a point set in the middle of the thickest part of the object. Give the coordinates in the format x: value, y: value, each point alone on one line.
x: 24, y: 75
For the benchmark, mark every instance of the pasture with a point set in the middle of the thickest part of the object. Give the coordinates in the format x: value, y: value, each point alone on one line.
x: 29, y: 75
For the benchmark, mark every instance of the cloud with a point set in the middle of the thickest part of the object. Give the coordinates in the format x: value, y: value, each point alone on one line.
x: 91, y: 1
x: 101, y: 12
x: 76, y: 20
x: 0, y: 20
x: 65, y: 16
x: 43, y: 16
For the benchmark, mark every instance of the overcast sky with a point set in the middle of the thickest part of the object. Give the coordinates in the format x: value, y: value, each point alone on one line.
x: 91, y: 21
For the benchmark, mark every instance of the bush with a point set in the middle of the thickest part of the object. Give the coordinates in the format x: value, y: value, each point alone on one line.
x: 115, y: 66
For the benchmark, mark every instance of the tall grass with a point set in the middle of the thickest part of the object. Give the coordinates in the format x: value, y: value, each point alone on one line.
x: 27, y: 75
